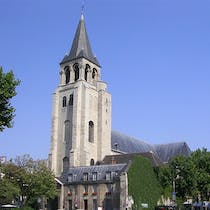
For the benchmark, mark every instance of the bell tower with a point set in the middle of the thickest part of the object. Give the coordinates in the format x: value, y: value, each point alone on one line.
x: 81, y: 116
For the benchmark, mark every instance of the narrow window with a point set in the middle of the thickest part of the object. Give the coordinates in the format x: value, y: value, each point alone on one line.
x: 92, y: 162
x: 64, y: 101
x: 86, y: 189
x: 95, y: 188
x: 76, y: 71
x: 65, y: 163
x: 94, y: 73
x: 70, y: 178
x: 109, y: 188
x: 108, y: 175
x: 85, y: 177
x: 94, y: 176
x: 85, y: 204
x: 71, y: 100
x: 91, y: 131
x: 70, y: 204
x: 86, y: 71
x: 67, y: 74
x: 95, y: 206
x: 75, y: 177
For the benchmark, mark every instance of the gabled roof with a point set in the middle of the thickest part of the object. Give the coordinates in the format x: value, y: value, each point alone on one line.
x: 81, y: 46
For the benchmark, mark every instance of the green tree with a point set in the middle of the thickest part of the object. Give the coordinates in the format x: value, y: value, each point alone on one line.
x: 10, y: 187
x: 8, y: 191
x: 39, y: 182
x: 8, y: 84
x: 27, y: 180
x: 184, y: 176
x: 201, y: 160
x: 190, y: 174
x: 42, y: 185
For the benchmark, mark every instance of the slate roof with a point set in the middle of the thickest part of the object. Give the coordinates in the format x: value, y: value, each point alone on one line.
x: 78, y: 172
x: 125, y: 144
x: 81, y: 46
x: 167, y: 151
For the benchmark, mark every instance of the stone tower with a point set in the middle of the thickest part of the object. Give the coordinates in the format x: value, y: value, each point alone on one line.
x: 81, y: 117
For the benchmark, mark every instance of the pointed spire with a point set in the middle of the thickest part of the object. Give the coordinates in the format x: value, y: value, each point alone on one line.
x: 81, y: 46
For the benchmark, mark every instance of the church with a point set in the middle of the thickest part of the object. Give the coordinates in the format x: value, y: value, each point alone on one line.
x: 89, y: 159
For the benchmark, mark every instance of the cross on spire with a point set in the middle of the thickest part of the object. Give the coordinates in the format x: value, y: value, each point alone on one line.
x: 83, y: 8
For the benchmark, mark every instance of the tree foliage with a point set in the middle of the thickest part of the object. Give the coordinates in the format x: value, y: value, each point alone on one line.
x: 8, y: 84
x: 201, y: 159
x: 28, y: 181
x: 42, y: 184
x: 8, y: 191
x: 184, y: 176
x: 191, y: 176
x: 164, y: 177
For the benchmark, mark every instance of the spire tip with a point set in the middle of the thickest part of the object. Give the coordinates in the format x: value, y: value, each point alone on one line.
x: 82, y: 10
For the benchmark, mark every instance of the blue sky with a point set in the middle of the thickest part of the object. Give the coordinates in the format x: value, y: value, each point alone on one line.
x: 154, y: 56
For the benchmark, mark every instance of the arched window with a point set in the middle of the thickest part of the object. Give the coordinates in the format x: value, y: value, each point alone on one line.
x: 71, y: 99
x: 91, y: 131
x: 67, y: 74
x: 92, y: 162
x: 94, y: 73
x: 64, y: 101
x: 65, y: 163
x: 86, y: 71
x: 67, y: 134
x: 76, y: 71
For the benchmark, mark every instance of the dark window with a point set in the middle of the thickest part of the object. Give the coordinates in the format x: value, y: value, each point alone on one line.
x: 86, y: 71
x: 64, y: 101
x: 76, y: 71
x: 85, y: 204
x: 94, y: 73
x: 92, y: 162
x: 67, y: 74
x: 95, y: 206
x: 65, y: 163
x: 71, y: 100
x: 70, y: 204
x: 91, y: 131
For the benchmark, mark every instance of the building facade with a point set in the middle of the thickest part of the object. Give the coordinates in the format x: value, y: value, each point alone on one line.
x: 81, y: 119
x: 95, y: 187
x: 83, y: 146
